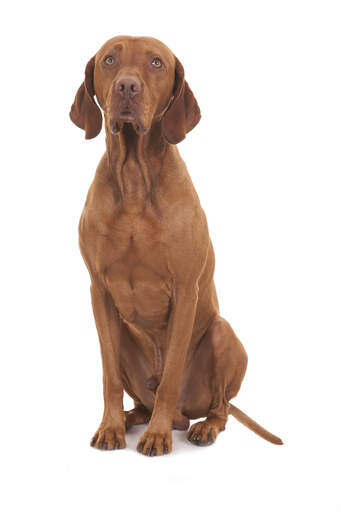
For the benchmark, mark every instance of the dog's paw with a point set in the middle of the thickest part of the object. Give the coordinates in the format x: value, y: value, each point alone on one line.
x: 109, y: 438
x: 137, y: 416
x: 154, y: 443
x: 202, y: 433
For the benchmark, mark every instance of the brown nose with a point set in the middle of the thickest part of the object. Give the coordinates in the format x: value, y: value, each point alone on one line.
x: 128, y: 86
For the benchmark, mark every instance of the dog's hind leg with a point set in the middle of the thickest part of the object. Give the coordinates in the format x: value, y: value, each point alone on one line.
x: 229, y: 362
x: 137, y: 416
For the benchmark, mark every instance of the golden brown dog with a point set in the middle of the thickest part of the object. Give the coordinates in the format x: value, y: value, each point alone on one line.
x: 144, y: 239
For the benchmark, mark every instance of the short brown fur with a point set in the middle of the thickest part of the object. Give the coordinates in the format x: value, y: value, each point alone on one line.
x: 144, y: 238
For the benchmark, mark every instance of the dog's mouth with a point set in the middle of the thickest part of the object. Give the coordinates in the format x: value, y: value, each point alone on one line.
x: 127, y: 115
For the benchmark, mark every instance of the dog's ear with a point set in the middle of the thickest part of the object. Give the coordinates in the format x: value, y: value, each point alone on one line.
x: 184, y: 112
x: 85, y: 112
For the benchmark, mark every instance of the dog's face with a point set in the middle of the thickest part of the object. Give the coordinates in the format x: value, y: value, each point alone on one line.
x: 136, y: 80
x: 133, y: 81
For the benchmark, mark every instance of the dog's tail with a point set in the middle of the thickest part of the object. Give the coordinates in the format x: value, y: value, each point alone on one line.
x: 252, y: 425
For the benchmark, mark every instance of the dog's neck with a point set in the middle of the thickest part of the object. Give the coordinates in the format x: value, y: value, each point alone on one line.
x: 135, y: 162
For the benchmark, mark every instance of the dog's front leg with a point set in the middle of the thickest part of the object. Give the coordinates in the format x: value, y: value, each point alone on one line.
x: 157, y: 439
x: 110, y: 434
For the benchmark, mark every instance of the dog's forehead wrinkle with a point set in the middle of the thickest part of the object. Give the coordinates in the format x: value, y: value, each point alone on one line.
x: 135, y: 46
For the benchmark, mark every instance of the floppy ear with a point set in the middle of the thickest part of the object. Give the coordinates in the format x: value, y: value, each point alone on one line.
x: 85, y: 112
x: 184, y: 112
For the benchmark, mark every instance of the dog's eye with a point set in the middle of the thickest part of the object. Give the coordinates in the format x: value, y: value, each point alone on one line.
x: 157, y: 63
x: 109, y: 61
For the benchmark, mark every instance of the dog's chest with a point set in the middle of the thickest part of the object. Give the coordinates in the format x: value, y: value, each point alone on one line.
x: 133, y: 259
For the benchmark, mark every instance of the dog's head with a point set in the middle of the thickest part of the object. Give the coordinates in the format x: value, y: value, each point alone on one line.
x: 136, y: 80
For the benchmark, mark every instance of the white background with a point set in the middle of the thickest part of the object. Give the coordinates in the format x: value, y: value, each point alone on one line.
x: 265, y: 160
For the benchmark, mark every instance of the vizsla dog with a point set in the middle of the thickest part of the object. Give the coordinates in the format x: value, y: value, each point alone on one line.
x: 144, y: 239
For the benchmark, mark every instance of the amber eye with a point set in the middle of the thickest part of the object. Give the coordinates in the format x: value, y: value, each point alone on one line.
x: 157, y: 63
x: 109, y: 61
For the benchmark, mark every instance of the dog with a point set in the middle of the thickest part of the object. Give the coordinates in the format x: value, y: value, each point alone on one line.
x: 144, y: 239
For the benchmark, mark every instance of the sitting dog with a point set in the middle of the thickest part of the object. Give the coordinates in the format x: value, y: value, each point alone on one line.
x: 144, y: 239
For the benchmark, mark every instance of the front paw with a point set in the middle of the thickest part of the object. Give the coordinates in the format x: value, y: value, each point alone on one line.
x: 155, y: 443
x: 109, y: 438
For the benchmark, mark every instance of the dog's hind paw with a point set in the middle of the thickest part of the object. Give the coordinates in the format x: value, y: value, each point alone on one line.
x: 137, y: 416
x: 203, y: 433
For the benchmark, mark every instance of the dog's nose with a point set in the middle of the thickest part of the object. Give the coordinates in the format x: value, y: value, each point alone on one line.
x: 128, y: 86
